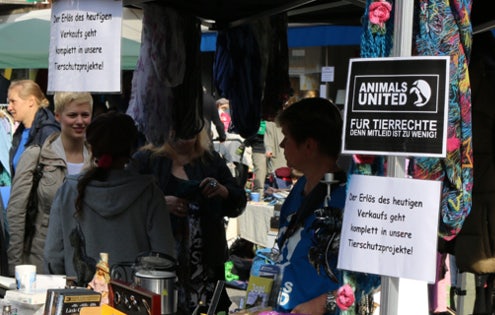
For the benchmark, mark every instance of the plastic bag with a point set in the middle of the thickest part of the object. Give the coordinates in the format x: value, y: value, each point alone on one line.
x: 262, y: 257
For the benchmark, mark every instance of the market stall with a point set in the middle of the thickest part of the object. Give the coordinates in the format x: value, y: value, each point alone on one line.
x: 225, y: 18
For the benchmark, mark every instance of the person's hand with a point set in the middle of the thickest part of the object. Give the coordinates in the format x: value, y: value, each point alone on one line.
x: 269, y: 154
x: 210, y: 188
x: 316, y: 306
x: 177, y: 206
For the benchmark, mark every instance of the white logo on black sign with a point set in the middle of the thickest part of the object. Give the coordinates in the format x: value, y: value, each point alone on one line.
x: 407, y: 93
x: 422, y: 90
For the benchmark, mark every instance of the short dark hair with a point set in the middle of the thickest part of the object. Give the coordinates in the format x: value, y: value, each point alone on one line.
x: 315, y: 118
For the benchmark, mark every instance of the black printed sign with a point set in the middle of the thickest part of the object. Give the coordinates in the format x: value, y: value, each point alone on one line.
x: 397, y: 106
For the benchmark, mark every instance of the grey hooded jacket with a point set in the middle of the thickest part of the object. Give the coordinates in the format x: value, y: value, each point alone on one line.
x: 124, y: 216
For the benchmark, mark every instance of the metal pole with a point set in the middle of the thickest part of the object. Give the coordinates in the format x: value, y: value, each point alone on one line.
x: 402, y: 46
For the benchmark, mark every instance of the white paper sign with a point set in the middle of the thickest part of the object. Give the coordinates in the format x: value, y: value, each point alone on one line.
x: 85, y: 45
x: 323, y: 90
x: 327, y: 74
x: 390, y: 227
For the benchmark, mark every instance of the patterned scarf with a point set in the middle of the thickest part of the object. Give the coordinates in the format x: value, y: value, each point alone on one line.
x: 444, y: 29
x: 376, y: 41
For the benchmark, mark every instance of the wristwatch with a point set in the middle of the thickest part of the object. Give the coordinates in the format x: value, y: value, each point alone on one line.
x: 331, y: 304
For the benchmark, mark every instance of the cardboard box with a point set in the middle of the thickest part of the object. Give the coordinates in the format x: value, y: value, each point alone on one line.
x: 258, y: 291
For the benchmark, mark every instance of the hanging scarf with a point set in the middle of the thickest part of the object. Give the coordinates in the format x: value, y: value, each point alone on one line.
x: 166, y: 84
x: 161, y: 66
x: 444, y: 29
x: 376, y: 41
x: 378, y: 22
x: 237, y: 77
x: 275, y: 58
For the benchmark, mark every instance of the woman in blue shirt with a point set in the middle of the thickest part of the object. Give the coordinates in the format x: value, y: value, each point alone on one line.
x: 29, y: 107
x: 312, y: 131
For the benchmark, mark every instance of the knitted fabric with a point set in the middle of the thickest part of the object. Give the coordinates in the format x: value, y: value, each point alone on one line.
x: 373, y: 44
x: 444, y: 29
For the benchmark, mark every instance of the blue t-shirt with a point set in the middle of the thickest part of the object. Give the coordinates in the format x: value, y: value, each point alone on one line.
x: 21, y: 147
x: 300, y: 280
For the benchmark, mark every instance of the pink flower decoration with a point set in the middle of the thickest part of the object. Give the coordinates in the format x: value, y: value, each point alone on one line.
x: 345, y: 297
x: 379, y: 13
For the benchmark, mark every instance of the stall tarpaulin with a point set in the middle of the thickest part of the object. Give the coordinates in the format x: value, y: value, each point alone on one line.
x: 27, y: 39
x: 28, y: 35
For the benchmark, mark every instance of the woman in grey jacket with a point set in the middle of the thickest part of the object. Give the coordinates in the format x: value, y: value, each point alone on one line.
x: 62, y: 153
x: 108, y: 209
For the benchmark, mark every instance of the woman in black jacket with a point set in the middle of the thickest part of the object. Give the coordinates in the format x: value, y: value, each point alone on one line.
x: 200, y: 191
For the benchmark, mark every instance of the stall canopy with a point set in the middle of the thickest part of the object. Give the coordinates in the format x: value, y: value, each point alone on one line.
x: 312, y: 23
x: 220, y: 14
x: 26, y: 39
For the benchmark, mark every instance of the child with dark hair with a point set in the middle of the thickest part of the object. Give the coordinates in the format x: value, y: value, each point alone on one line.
x: 113, y: 210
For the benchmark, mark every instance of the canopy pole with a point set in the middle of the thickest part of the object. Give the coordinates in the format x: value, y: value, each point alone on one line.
x: 390, y: 295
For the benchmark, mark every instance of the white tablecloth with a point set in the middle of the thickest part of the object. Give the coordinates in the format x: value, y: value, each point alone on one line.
x: 253, y: 225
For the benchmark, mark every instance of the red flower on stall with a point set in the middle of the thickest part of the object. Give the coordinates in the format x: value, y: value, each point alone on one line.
x: 345, y: 297
x: 379, y: 13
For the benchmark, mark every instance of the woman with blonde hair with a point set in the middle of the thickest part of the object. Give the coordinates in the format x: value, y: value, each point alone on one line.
x: 29, y: 107
x: 63, y: 153
x: 199, y: 191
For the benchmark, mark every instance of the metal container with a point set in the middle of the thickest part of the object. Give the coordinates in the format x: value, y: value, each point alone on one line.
x: 160, y: 282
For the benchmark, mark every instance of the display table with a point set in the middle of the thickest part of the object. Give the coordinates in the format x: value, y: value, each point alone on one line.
x: 23, y: 308
x: 253, y: 225
x: 32, y: 303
